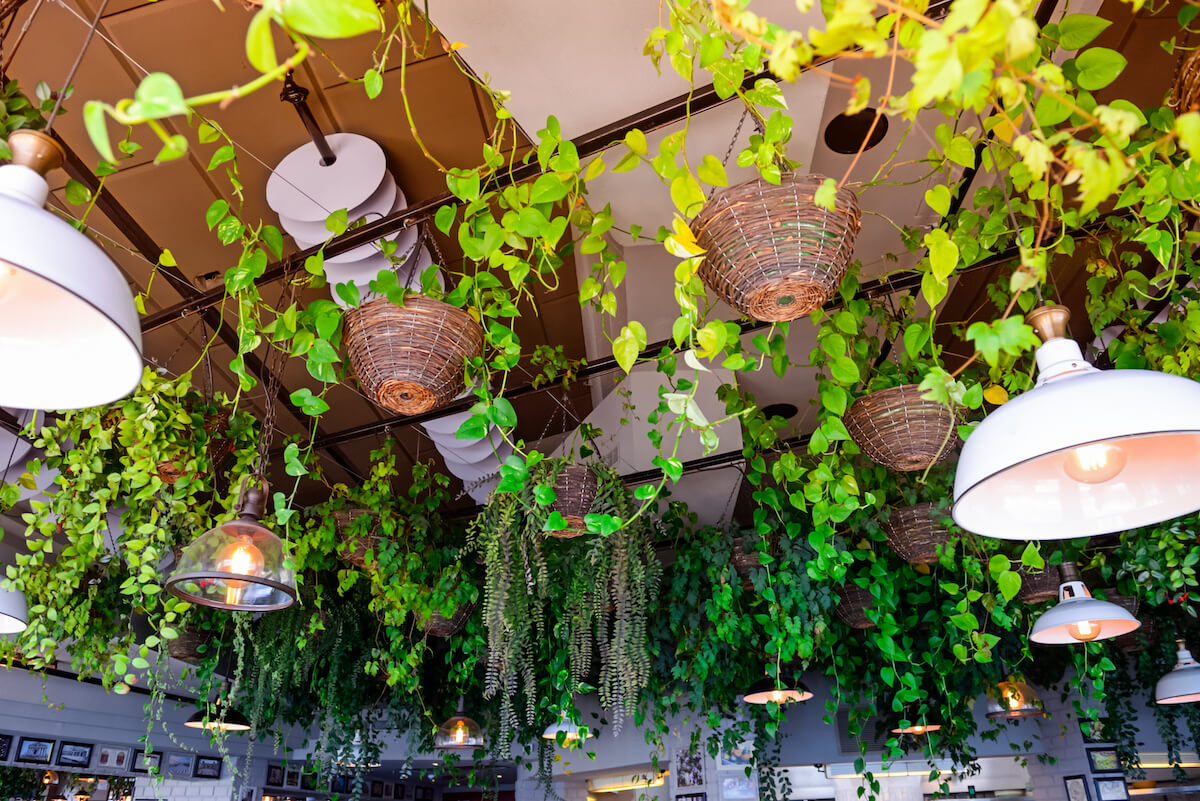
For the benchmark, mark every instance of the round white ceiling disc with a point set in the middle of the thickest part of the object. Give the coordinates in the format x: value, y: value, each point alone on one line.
x: 405, y: 238
x: 311, y: 233
x: 302, y: 188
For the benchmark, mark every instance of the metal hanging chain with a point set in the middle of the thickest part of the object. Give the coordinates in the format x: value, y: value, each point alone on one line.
x: 75, y: 67
x: 732, y: 143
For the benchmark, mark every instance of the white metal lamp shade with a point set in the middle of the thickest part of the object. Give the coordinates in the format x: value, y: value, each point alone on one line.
x: 1181, y: 685
x: 238, y: 566
x: 571, y: 732
x: 459, y: 733
x: 14, y: 612
x: 1078, y: 617
x: 69, y: 332
x: 1085, y: 452
x: 220, y: 720
x: 1012, y: 700
x: 767, y: 691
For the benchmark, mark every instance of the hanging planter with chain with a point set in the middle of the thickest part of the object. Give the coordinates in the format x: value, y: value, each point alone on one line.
x: 915, y: 534
x: 772, y: 252
x: 900, y: 430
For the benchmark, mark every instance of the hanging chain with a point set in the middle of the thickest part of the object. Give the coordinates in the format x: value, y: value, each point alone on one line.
x: 732, y: 143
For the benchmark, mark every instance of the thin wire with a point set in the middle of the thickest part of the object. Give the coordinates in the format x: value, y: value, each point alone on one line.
x: 20, y: 36
x: 75, y: 67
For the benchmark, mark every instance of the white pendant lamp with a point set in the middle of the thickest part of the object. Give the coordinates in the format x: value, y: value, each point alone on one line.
x: 1182, y: 684
x: 1078, y: 617
x: 571, y: 731
x: 14, y: 612
x: 1084, y: 452
x: 769, y: 691
x: 69, y: 333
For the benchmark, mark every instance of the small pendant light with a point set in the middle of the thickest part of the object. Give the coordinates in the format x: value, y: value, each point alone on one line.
x: 771, y: 691
x: 1084, y: 452
x: 357, y: 757
x: 238, y: 566
x: 571, y: 732
x: 1012, y: 700
x: 459, y: 733
x: 1078, y: 617
x: 917, y: 728
x: 225, y: 718
x: 14, y: 612
x: 1181, y: 685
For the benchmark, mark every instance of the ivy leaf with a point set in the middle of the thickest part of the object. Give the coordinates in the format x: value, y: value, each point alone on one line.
x: 1032, y: 556
x: 547, y: 189
x: 331, y: 19
x: 337, y: 222
x: 943, y: 254
x: 220, y: 156
x: 826, y: 194
x: 77, y: 194
x: 373, y: 83
x: 545, y: 496
x: 97, y: 127
x: 960, y: 152
x: 844, y: 370
x: 555, y: 521
x: 157, y: 96
x: 307, y: 402
x: 502, y: 413
x: 938, y: 199
x: 628, y: 344
x: 686, y: 194
x: 216, y: 212
x: 1079, y: 30
x: 260, y: 42
x: 273, y: 239
x: 291, y: 461
x: 712, y: 171
x: 444, y: 219
x: 474, y: 427
x: 1009, y: 583
x: 915, y: 337
x: 175, y: 147
x: 348, y: 291
x: 1098, y: 67
x: 996, y: 395
x: 635, y: 140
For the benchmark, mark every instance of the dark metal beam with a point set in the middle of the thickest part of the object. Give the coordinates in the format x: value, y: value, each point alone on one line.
x: 141, y: 240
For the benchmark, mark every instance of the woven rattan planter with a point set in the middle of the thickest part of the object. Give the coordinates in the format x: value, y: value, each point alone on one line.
x: 1037, y: 586
x: 853, y: 606
x: 900, y: 430
x: 187, y: 646
x: 358, y: 540
x: 574, y: 492
x: 410, y: 359
x: 744, y: 561
x: 219, y: 449
x: 440, y: 626
x: 771, y: 252
x: 915, y: 533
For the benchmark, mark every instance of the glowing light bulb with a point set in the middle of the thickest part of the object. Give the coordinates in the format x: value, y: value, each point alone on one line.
x: 460, y: 733
x: 1084, y: 630
x: 1014, y: 700
x: 777, y: 696
x: 918, y: 729
x: 1095, y: 463
x: 241, y: 558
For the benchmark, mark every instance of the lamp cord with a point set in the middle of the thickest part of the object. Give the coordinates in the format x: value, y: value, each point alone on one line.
x: 75, y: 67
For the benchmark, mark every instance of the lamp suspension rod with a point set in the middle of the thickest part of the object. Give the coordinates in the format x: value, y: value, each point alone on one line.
x: 297, y: 95
x: 62, y: 93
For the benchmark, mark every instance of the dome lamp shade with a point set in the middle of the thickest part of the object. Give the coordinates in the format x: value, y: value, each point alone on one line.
x: 69, y: 332
x: 1181, y: 685
x: 769, y: 691
x: 1085, y: 452
x: 224, y: 719
x: 917, y: 728
x: 14, y: 612
x: 459, y: 733
x: 237, y: 566
x: 1078, y: 617
x: 571, y: 731
x: 1013, y: 700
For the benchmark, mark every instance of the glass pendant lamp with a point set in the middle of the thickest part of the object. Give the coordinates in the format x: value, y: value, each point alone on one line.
x: 69, y: 332
x: 1012, y: 700
x: 1078, y: 617
x: 237, y: 566
x: 1084, y: 452
x: 459, y: 733
x: 570, y: 730
x: 1181, y: 685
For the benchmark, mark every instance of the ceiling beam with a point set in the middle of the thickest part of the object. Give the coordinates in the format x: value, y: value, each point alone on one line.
x: 141, y: 240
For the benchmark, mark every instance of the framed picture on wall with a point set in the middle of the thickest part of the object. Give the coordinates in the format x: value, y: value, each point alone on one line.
x: 5, y: 747
x: 180, y: 765
x: 422, y: 794
x: 376, y: 789
x: 292, y: 778
x: 689, y: 769
x: 147, y: 763
x: 400, y: 791
x: 1103, y: 760
x: 692, y: 797
x: 739, y: 787
x: 308, y: 780
x: 35, y: 750
x: 1077, y: 788
x: 113, y: 757
x: 207, y: 768
x: 1112, y: 789
x: 274, y: 775
x: 74, y: 755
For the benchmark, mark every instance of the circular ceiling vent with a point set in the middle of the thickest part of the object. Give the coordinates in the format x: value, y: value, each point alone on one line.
x: 845, y: 132
x: 785, y: 410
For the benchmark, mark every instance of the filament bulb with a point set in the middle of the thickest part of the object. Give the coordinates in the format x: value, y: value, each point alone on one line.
x: 240, y: 558
x: 1084, y: 630
x: 1095, y: 463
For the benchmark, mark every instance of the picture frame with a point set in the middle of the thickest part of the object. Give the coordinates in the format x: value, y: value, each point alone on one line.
x: 399, y: 791
x: 180, y: 766
x: 1111, y: 789
x: 692, y: 797
x: 113, y: 757
x: 738, y: 758
x: 1077, y: 788
x: 35, y: 750
x: 147, y: 763
x: 6, y: 741
x: 208, y: 767
x: 1103, y: 760
x: 689, y: 768
x: 274, y: 775
x: 422, y: 794
x: 291, y: 778
x: 377, y: 789
x: 309, y: 780
x: 74, y: 755
x: 739, y: 787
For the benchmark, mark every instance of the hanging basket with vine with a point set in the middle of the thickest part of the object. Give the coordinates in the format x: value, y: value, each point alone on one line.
x: 902, y: 431
x: 916, y: 534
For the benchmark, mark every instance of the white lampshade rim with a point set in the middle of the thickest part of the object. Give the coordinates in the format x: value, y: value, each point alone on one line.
x: 17, y: 626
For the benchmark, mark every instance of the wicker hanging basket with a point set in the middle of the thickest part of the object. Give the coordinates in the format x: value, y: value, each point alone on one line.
x: 900, y: 430
x: 410, y: 359
x: 574, y: 492
x: 357, y: 542
x: 441, y: 626
x: 853, y: 606
x: 915, y: 533
x: 771, y: 252
x: 218, y: 450
x: 1037, y: 586
x: 744, y: 561
x: 189, y: 646
x: 1185, y: 94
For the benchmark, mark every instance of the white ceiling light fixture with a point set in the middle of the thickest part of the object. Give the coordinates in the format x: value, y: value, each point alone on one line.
x: 571, y: 731
x: 69, y: 332
x: 1084, y: 452
x: 1078, y: 617
x: 1181, y: 685
x: 14, y: 612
